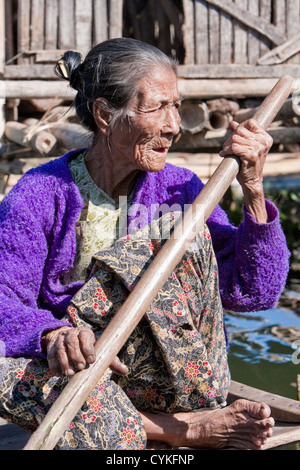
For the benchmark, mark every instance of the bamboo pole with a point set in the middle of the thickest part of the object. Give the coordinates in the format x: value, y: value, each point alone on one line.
x: 127, y: 318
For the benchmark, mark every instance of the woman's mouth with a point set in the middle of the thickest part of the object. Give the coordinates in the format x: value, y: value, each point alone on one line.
x: 160, y: 149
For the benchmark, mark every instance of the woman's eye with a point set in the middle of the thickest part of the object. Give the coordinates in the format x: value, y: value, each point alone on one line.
x: 159, y: 108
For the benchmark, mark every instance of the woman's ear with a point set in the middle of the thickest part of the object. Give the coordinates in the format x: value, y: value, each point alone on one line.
x: 102, y: 115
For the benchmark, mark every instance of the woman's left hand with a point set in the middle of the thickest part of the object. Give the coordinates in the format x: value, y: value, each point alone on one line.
x: 251, y: 143
x: 70, y: 350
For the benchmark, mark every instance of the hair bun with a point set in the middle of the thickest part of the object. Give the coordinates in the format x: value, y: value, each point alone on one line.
x: 68, y: 68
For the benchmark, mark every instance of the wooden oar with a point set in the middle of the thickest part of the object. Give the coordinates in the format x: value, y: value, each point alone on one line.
x: 121, y: 326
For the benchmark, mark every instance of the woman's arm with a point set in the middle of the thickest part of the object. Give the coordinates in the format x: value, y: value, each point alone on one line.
x: 251, y: 144
x: 24, y: 251
x: 253, y: 259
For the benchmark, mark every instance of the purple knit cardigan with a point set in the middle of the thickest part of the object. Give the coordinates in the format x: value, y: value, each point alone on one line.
x: 38, y: 245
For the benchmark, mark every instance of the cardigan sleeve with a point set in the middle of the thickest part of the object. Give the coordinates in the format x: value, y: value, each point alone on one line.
x: 24, y: 249
x: 253, y: 260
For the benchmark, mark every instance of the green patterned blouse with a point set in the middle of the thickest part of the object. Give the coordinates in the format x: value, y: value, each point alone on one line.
x: 100, y: 222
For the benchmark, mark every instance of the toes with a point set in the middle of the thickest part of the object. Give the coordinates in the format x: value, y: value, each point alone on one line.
x: 254, y: 409
x: 264, y: 411
x: 265, y: 424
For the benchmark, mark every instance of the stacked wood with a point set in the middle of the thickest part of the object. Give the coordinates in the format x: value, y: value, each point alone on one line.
x: 213, y: 140
x: 205, y: 125
x: 71, y: 135
x: 42, y: 142
x: 289, y: 110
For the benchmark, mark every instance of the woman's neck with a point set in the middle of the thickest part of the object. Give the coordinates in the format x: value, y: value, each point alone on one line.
x: 110, y: 174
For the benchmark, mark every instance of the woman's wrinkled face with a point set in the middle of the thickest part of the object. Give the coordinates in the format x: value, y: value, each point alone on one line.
x: 144, y: 137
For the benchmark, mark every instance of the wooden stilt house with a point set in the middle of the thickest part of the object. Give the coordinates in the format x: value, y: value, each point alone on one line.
x: 224, y: 47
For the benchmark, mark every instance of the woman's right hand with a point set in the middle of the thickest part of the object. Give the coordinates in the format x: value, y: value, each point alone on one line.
x: 70, y: 350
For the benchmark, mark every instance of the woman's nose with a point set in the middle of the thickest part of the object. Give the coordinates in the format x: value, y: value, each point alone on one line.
x: 172, y: 121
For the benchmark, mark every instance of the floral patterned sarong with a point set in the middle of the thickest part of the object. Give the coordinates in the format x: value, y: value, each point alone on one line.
x: 176, y: 356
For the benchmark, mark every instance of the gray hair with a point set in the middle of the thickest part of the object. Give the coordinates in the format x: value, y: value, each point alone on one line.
x: 111, y: 71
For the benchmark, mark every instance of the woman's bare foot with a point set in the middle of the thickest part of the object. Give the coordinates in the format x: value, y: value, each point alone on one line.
x: 241, y: 425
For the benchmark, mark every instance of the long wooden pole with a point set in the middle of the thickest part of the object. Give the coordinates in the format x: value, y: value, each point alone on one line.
x: 121, y: 326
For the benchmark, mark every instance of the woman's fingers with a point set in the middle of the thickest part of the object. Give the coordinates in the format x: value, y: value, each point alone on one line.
x: 118, y: 366
x: 87, y: 341
x: 55, y: 352
x: 249, y: 135
x: 70, y: 349
x: 251, y: 143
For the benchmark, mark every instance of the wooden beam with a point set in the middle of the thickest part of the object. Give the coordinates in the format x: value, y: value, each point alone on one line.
x: 219, y: 88
x: 30, y: 89
x: 196, y: 71
x: 236, y: 71
x: 281, y: 53
x: 202, y: 88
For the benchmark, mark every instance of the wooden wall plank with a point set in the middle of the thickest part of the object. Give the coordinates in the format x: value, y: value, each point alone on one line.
x: 83, y: 25
x: 226, y: 37
x: 37, y: 24
x: 188, y: 31
x: 214, y: 35
x: 253, y: 36
x: 240, y: 48
x: 66, y: 22
x: 23, y: 40
x: 7, y: 30
x: 265, y: 12
x: 100, y: 21
x: 115, y: 18
x: 201, y: 33
x: 293, y: 23
x: 51, y: 24
x: 279, y: 14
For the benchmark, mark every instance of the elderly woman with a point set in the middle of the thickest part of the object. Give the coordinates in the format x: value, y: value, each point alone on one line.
x: 97, y: 203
